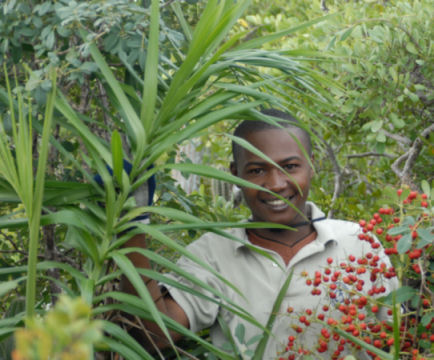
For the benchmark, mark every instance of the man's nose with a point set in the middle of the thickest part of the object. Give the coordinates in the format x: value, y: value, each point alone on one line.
x: 276, y: 180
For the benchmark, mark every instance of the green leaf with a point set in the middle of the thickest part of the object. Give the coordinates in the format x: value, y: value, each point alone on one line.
x: 426, y: 318
x: 404, y: 244
x: 136, y: 130
x: 150, y: 82
x: 6, y: 286
x: 411, y: 48
x: 125, y: 351
x: 404, y: 293
x: 408, y: 220
x: 390, y: 194
x: 122, y: 336
x: 398, y: 230
x: 117, y: 156
x: 131, y: 273
x: 240, y: 332
x: 376, y: 125
x: 426, y: 188
x: 346, y: 33
x: 427, y: 237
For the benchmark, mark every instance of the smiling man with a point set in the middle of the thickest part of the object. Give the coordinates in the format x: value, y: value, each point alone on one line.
x: 290, y: 148
x: 306, y: 245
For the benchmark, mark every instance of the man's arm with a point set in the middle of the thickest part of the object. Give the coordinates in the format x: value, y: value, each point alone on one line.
x: 164, y: 302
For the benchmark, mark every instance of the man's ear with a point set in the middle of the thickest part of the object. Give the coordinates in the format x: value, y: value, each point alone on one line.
x: 233, y: 168
x: 312, y: 168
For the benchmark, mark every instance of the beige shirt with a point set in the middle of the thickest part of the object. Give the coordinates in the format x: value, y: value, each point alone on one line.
x: 259, y: 278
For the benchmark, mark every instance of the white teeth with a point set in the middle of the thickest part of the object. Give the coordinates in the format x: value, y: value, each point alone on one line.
x: 276, y: 202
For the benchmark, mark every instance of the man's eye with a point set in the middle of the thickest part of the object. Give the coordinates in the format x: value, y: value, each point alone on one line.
x: 255, y: 171
x: 290, y: 166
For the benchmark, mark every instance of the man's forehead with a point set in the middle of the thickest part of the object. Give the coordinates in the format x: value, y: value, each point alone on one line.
x: 293, y: 132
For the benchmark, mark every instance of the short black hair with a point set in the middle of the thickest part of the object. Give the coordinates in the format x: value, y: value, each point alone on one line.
x: 248, y: 126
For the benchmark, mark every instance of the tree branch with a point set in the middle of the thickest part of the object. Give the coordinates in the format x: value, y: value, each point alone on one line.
x: 410, y: 158
x: 337, y: 173
x: 370, y: 153
x: 400, y: 139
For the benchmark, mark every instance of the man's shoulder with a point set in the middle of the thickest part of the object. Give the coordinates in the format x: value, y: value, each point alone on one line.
x: 343, y: 232
x: 340, y: 224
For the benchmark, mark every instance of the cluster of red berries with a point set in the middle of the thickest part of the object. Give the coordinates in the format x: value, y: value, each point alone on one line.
x: 413, y: 196
x: 390, y: 242
x: 355, y: 315
x: 362, y: 281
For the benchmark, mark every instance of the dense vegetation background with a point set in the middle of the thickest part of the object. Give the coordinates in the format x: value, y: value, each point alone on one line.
x: 87, y: 84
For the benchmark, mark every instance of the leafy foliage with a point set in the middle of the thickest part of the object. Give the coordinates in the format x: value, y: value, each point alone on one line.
x: 168, y: 92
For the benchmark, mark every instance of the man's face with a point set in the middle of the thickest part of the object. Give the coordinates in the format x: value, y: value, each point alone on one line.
x: 279, y: 146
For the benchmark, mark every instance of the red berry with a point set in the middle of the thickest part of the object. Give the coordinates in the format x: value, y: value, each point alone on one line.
x: 377, y: 343
x: 399, y: 192
x: 329, y: 260
x: 416, y: 268
x: 374, y: 308
x: 379, y: 231
x: 424, y: 204
x: 413, y: 195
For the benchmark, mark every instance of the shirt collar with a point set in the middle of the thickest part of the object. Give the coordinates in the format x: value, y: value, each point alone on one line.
x: 324, y: 231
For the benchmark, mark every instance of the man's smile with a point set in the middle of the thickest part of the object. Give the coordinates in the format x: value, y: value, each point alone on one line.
x: 278, y: 204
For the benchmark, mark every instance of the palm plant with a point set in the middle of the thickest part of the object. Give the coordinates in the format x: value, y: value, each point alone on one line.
x: 220, y: 78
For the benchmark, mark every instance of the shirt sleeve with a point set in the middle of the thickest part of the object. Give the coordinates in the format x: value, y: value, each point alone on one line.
x: 201, y: 311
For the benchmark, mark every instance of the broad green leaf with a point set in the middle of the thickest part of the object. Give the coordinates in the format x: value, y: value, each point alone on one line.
x: 346, y: 33
x: 7, y: 286
x: 403, y: 294
x: 426, y: 188
x: 404, y: 244
x: 240, y: 332
x: 398, y: 230
x: 427, y: 237
x: 408, y: 220
x: 427, y: 318
x: 411, y: 48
